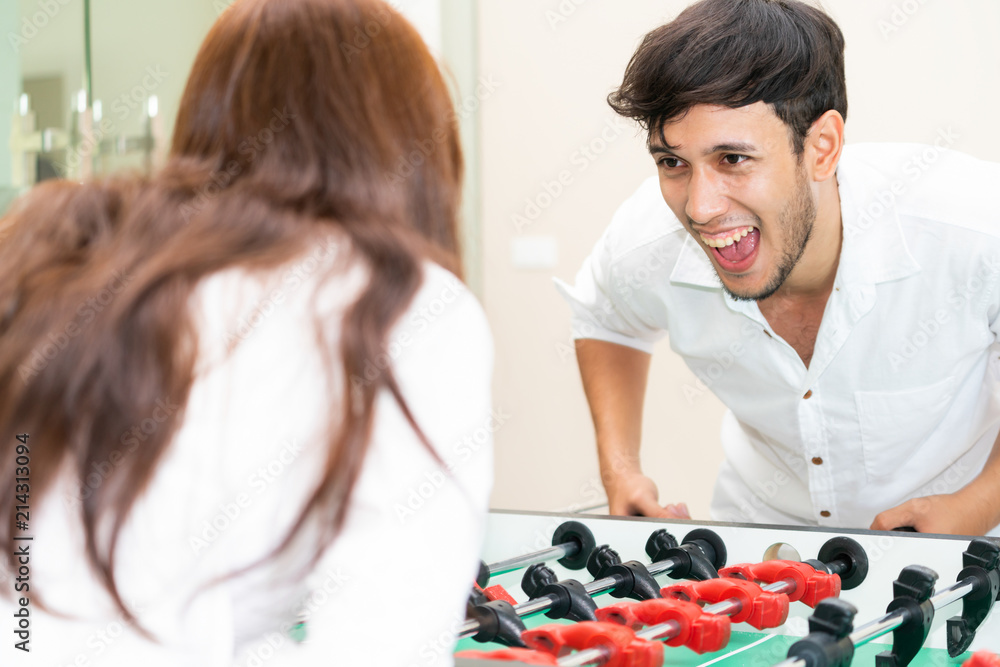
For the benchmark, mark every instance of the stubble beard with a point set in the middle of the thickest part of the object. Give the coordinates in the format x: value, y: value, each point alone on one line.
x: 796, y: 220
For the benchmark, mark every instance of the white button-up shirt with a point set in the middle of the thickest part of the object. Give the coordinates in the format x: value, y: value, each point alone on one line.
x: 902, y: 396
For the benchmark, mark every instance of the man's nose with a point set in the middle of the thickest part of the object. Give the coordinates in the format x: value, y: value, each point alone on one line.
x: 705, y: 201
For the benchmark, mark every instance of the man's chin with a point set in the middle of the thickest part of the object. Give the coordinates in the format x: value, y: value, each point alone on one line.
x: 750, y: 291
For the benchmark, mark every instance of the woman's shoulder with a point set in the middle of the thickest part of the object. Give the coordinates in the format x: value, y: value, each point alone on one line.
x: 443, y: 322
x: 444, y: 297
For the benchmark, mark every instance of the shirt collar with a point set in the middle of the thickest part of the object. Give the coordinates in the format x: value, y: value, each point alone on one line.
x: 874, y: 248
x: 693, y: 267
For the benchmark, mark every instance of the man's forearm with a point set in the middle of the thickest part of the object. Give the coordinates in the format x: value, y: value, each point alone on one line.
x: 614, y: 380
x: 982, y: 495
x: 972, y: 510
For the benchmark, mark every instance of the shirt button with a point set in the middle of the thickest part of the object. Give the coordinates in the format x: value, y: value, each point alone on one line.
x: 808, y: 394
x: 817, y: 460
x: 824, y: 514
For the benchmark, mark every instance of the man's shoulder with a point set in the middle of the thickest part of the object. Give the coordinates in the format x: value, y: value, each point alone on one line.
x: 641, y: 223
x: 929, y: 183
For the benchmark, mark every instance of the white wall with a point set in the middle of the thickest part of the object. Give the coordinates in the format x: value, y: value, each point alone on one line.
x: 557, y: 60
x: 426, y: 17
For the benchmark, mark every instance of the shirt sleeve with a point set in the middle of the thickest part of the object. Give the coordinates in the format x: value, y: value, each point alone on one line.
x: 599, y: 301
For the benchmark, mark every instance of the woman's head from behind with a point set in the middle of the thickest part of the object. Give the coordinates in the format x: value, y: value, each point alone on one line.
x: 333, y: 108
x: 299, y: 116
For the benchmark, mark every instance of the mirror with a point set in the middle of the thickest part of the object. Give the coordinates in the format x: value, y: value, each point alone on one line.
x: 548, y: 162
x: 39, y: 91
x: 557, y: 163
x: 100, y: 84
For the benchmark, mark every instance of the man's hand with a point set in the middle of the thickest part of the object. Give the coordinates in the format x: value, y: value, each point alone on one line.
x: 950, y: 514
x: 614, y: 380
x: 636, y: 495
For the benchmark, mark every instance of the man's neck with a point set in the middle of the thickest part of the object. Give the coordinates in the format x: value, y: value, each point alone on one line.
x: 814, y: 275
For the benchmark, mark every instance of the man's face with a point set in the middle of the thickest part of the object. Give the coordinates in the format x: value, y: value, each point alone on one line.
x: 732, y: 178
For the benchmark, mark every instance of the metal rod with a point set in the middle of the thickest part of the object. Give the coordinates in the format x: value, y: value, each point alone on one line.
x: 663, y: 566
x: 540, y: 604
x: 786, y: 586
x: 536, y: 606
x: 667, y: 630
x: 469, y: 628
x: 670, y: 629
x: 529, y: 608
x: 732, y: 606
x: 591, y: 656
x: 891, y: 621
x: 517, y: 562
x: 792, y: 662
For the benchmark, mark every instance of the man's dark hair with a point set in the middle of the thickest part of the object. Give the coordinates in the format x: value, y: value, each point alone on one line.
x: 733, y: 53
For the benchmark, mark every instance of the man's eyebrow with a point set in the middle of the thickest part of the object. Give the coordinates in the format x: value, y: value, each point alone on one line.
x: 662, y: 148
x: 732, y: 147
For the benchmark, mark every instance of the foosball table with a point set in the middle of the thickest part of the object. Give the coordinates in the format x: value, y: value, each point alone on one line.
x: 575, y: 590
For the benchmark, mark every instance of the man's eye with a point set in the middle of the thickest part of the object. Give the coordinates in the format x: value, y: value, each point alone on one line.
x: 735, y: 159
x: 670, y: 162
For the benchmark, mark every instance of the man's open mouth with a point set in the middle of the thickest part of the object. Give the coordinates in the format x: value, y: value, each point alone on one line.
x: 734, y: 249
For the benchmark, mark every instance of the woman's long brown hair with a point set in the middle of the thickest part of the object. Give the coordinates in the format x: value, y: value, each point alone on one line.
x: 301, y: 120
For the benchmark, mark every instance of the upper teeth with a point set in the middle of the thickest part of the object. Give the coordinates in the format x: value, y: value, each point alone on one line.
x: 729, y: 239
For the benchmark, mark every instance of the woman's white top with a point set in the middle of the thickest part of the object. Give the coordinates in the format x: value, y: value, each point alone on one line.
x: 392, y: 588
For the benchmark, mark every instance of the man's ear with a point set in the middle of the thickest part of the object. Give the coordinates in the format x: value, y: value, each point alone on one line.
x: 823, y: 145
